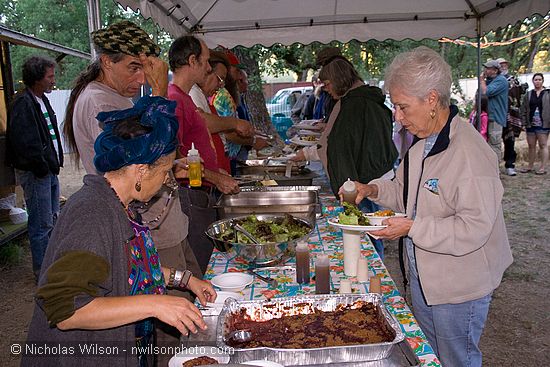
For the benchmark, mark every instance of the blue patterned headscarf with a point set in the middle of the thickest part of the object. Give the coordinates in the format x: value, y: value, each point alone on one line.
x: 113, y: 152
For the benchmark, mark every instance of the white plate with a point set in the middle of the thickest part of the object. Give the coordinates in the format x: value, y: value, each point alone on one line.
x: 263, y: 363
x: 282, y: 159
x: 305, y: 132
x: 212, y: 352
x: 296, y: 140
x: 232, y: 282
x: 222, y: 296
x: 376, y: 220
x: 350, y: 227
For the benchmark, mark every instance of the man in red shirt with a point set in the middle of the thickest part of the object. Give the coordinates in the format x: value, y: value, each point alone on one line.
x: 188, y: 59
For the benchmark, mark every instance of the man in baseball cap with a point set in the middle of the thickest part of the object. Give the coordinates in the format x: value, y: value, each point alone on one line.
x: 493, y: 64
x: 495, y: 87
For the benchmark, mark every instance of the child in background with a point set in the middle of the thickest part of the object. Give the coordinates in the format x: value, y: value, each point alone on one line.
x: 484, y: 120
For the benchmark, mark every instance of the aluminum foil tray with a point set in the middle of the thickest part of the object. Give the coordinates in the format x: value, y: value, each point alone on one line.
x: 266, y: 310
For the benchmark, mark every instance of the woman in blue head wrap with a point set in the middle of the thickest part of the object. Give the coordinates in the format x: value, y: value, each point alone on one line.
x: 102, y: 281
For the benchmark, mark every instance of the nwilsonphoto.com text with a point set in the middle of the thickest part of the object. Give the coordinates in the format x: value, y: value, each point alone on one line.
x: 109, y: 349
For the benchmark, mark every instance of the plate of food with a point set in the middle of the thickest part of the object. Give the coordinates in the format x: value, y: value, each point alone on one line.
x: 305, y: 132
x: 199, y: 357
x: 355, y: 220
x: 305, y: 140
x: 378, y: 217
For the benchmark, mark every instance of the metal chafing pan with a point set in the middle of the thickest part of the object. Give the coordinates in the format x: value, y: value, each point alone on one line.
x: 265, y: 310
x: 299, y: 201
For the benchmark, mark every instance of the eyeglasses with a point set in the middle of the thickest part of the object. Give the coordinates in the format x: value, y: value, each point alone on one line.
x: 222, y: 82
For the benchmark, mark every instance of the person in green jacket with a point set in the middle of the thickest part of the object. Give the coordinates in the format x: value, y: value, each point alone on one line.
x: 360, y: 145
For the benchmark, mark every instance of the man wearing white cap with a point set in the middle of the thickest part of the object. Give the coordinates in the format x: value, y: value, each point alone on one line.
x: 495, y: 86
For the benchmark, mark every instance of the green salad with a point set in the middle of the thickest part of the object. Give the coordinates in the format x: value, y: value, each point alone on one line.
x: 267, y: 231
x: 352, y: 216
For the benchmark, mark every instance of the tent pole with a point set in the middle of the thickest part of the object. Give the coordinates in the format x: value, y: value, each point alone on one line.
x: 478, y: 97
x: 94, y: 20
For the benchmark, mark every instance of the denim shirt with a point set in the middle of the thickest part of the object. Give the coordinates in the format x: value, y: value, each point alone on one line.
x: 497, y: 93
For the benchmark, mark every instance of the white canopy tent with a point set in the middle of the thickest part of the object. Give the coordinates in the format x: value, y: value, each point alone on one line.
x: 249, y: 22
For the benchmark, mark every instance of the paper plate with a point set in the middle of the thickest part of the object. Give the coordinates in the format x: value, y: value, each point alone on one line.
x: 232, y: 282
x: 304, y: 143
x: 263, y: 363
x: 377, y: 220
x: 305, y: 132
x: 350, y: 227
x: 222, y: 296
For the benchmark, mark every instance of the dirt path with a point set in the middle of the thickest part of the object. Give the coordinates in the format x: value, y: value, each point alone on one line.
x: 516, y: 333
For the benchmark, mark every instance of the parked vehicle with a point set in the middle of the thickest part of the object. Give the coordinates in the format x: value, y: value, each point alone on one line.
x: 282, y: 102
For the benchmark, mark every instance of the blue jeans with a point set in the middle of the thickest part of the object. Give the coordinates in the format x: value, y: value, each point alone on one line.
x: 368, y: 206
x: 453, y: 330
x: 42, y: 200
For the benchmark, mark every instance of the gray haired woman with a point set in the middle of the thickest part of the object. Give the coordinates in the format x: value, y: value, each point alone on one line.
x: 449, y: 186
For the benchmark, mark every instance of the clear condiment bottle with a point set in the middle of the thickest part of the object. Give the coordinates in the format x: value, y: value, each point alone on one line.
x: 302, y: 263
x: 349, y: 191
x: 195, y: 169
x: 375, y: 285
x: 322, y: 274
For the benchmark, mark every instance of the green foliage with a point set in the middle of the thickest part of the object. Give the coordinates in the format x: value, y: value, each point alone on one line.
x: 372, y: 57
x: 10, y: 254
x: 63, y: 22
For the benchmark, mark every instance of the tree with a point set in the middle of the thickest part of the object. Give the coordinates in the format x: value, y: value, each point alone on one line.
x: 255, y: 98
x: 63, y: 22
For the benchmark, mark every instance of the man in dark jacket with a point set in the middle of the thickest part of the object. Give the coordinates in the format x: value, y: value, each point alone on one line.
x: 34, y: 150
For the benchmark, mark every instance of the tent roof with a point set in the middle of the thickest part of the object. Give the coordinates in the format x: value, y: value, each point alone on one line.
x: 249, y: 22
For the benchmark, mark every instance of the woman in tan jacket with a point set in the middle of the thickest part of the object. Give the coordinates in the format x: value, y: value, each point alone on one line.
x: 449, y: 186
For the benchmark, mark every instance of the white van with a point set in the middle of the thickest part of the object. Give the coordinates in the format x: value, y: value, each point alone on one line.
x: 282, y: 102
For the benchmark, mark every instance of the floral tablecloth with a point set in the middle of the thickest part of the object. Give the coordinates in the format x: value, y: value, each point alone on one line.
x: 328, y: 239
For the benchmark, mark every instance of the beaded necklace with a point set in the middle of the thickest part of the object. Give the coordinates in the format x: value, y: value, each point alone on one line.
x: 171, y: 183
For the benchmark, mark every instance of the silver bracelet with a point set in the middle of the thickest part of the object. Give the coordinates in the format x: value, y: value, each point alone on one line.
x: 185, y: 279
x: 177, y: 278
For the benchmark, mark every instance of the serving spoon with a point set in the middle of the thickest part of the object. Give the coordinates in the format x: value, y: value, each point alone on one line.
x: 239, y: 336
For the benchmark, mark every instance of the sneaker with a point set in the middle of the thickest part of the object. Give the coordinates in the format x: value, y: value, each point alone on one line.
x: 511, y: 172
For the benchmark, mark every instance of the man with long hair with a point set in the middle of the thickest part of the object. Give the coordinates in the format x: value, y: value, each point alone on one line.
x: 34, y: 150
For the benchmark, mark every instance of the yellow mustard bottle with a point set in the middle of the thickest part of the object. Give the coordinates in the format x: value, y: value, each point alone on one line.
x: 195, y: 169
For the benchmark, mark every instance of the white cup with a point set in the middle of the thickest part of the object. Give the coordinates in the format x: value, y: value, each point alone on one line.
x: 352, y: 251
x: 362, y: 270
x: 345, y: 286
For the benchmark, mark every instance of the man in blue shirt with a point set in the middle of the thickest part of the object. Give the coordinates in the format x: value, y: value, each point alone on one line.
x: 495, y: 87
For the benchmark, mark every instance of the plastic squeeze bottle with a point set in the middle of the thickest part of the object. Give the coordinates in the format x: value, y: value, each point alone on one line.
x: 195, y: 169
x: 302, y: 263
x: 322, y: 274
x: 349, y: 191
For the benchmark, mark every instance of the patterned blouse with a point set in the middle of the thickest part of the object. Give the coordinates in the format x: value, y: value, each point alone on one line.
x: 145, y: 277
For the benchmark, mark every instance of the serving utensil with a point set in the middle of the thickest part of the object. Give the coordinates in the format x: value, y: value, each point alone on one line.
x: 270, y: 281
x: 239, y: 336
x: 238, y: 228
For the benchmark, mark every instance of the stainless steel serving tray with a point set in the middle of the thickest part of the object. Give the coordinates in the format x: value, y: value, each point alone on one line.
x: 288, y: 305
x: 299, y: 201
